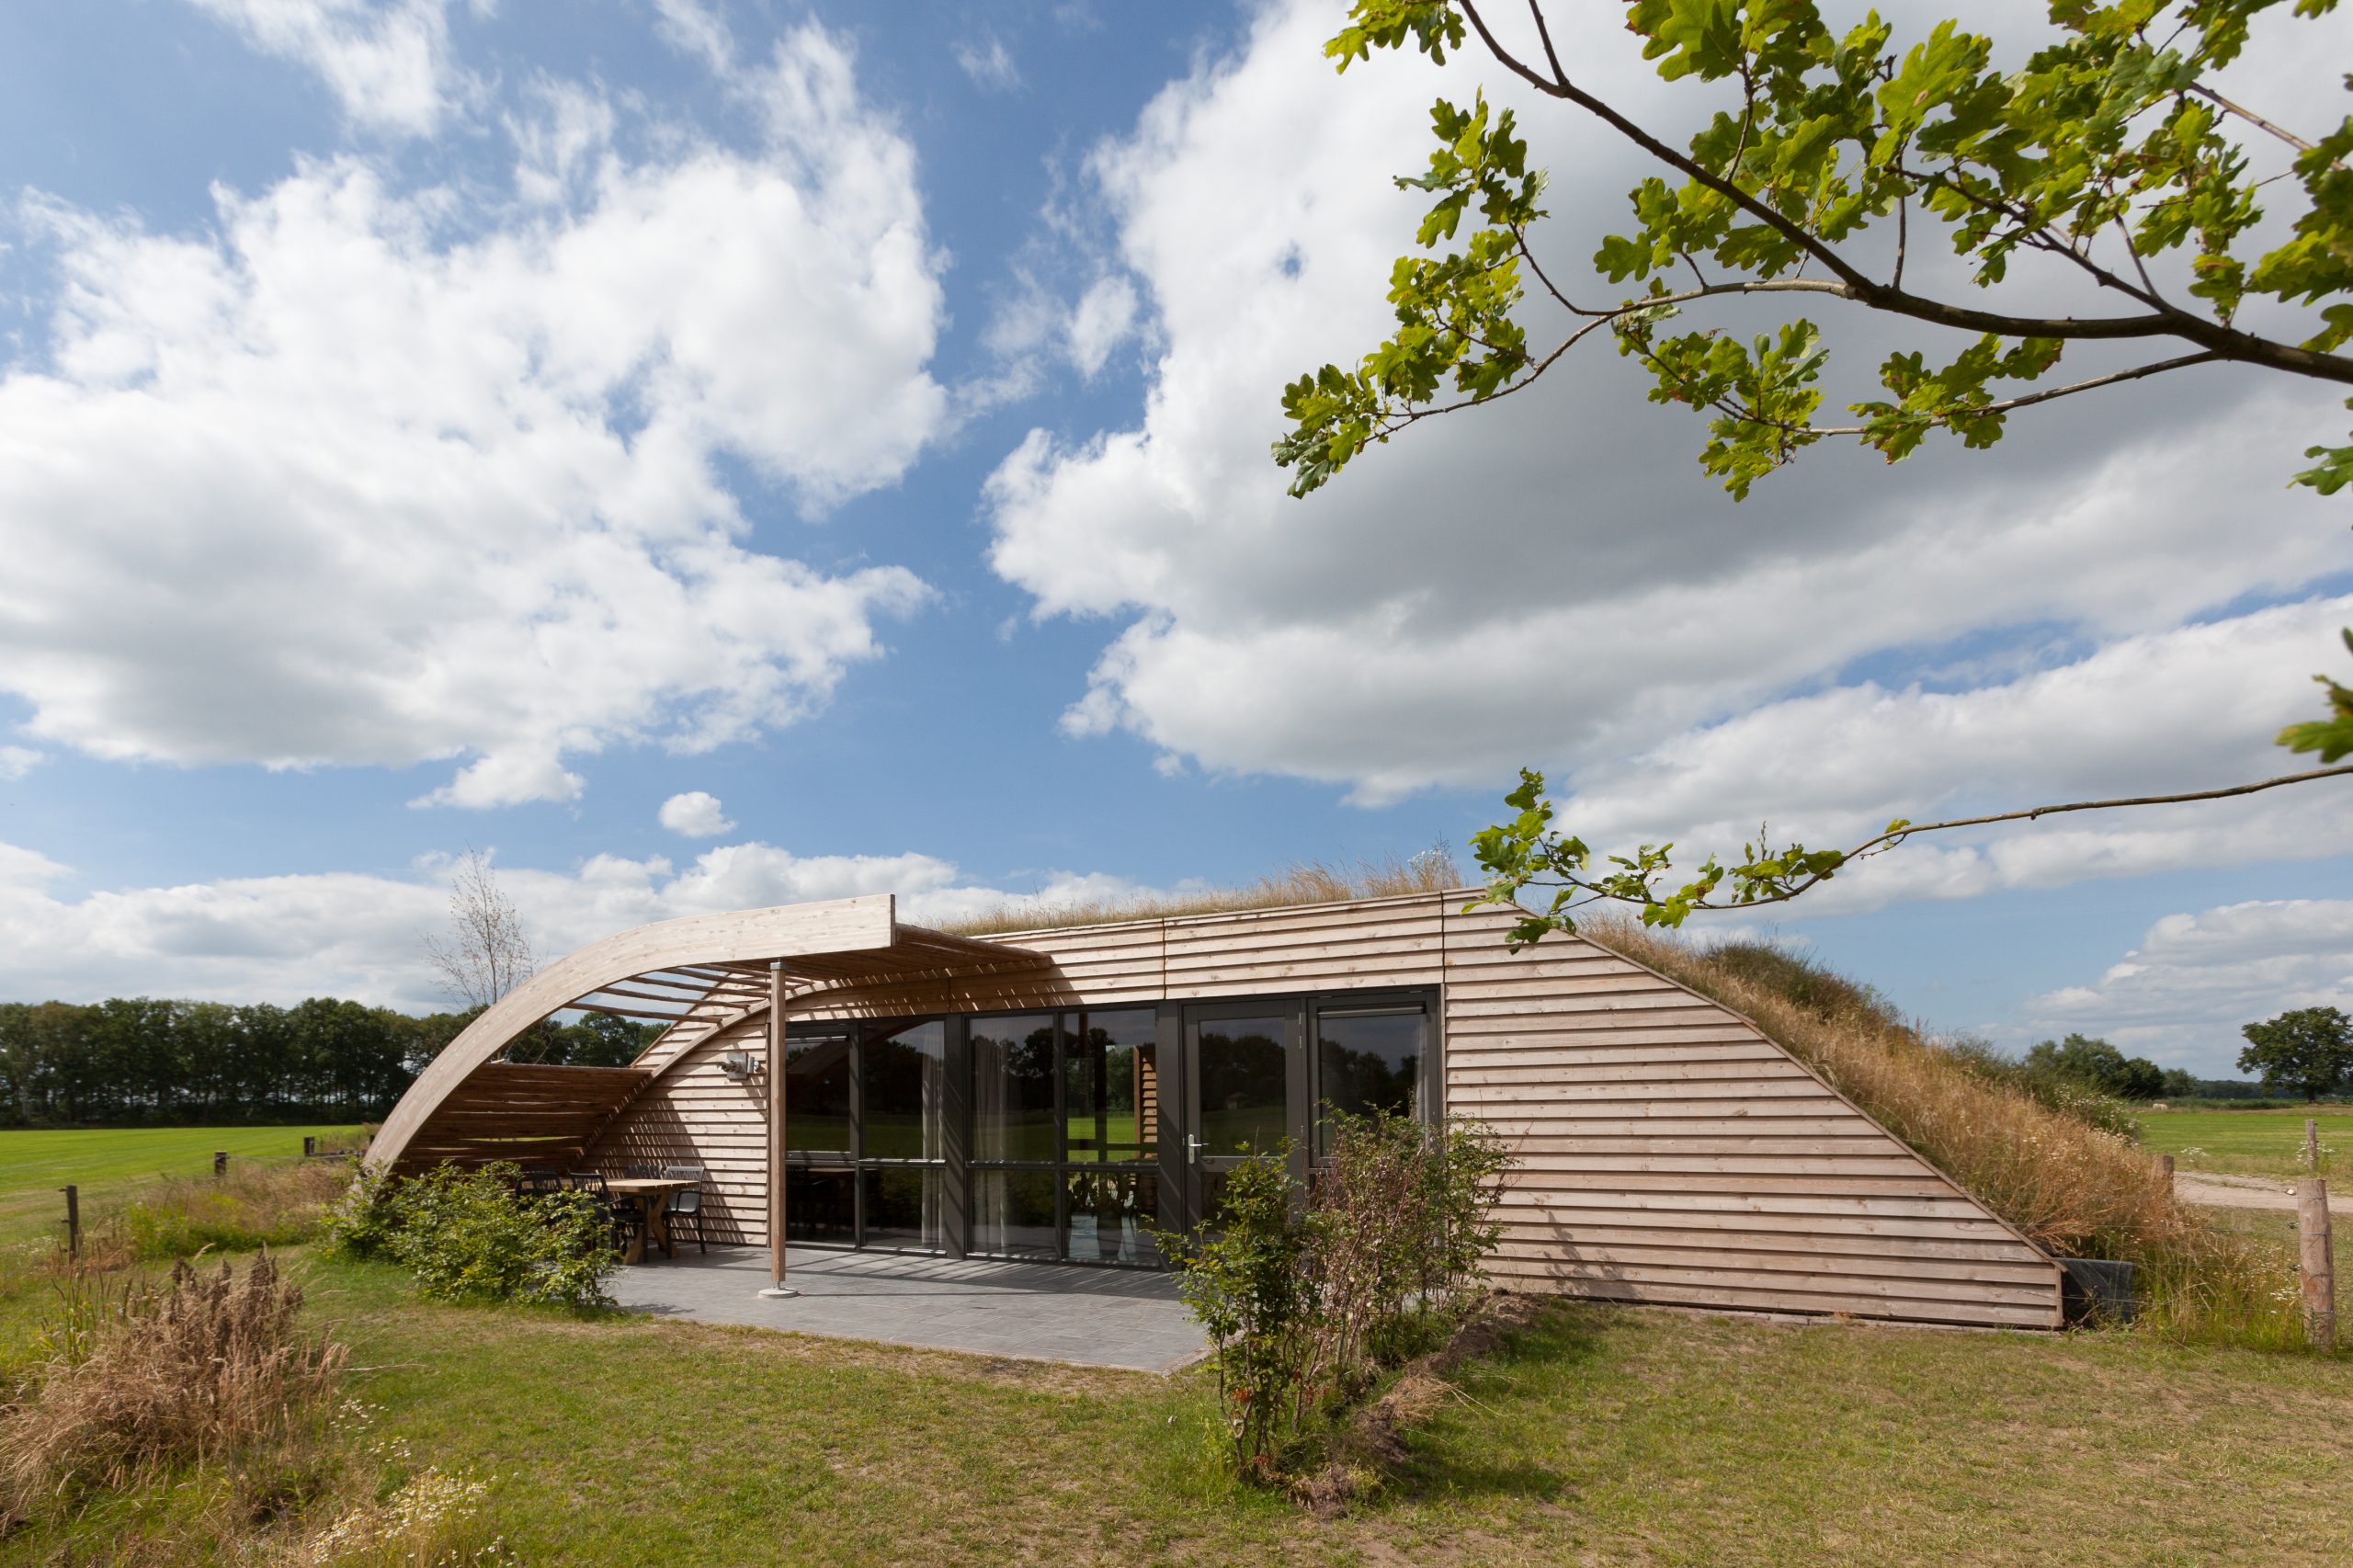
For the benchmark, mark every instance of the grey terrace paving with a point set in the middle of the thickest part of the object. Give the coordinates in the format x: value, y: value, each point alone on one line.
x: 1092, y: 1317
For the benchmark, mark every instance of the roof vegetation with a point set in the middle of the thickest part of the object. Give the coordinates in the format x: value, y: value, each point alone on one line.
x: 1309, y: 882
x: 2065, y: 1168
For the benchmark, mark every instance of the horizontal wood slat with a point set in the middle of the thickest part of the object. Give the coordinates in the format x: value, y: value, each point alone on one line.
x: 1666, y: 1152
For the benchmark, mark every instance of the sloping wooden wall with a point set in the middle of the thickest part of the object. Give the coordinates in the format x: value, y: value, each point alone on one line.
x: 1668, y: 1152
x: 530, y: 1115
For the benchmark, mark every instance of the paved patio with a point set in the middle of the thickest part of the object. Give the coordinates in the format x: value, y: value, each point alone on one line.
x: 1093, y: 1317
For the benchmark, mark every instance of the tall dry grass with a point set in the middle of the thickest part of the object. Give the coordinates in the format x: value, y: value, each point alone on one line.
x: 1309, y: 882
x: 256, y: 1204
x: 139, y: 1377
x: 2073, y: 1187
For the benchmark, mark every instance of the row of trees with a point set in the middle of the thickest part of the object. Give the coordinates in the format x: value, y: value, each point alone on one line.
x: 2307, y: 1051
x: 157, y: 1062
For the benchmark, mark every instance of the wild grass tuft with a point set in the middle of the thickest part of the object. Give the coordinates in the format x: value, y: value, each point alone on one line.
x: 255, y: 1205
x: 139, y: 1377
x: 2071, y: 1178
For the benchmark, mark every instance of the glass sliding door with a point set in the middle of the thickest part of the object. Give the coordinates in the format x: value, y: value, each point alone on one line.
x: 1248, y: 1092
x: 1066, y: 1135
x: 865, y: 1134
x: 821, y: 1152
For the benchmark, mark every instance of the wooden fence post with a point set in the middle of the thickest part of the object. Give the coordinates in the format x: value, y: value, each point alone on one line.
x: 2312, y: 1145
x: 73, y: 1221
x: 220, y: 1163
x: 2314, y: 1264
x: 310, y: 1147
x: 2165, y: 1168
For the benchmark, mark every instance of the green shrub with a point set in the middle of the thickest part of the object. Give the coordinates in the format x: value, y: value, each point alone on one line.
x: 1305, y: 1303
x: 466, y: 1236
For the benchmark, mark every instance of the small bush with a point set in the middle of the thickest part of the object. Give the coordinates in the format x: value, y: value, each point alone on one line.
x: 1306, y: 1302
x: 466, y: 1236
x: 145, y: 1377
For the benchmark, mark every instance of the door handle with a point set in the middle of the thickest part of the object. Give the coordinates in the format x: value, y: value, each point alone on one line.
x: 1193, y: 1147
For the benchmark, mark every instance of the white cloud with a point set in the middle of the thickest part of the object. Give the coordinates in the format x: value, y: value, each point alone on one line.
x: 2182, y: 994
x: 18, y: 761
x: 329, y: 486
x: 695, y: 815
x: 1552, y: 581
x: 1105, y: 317
x: 698, y: 30
x: 2162, y: 713
x: 988, y: 63
x: 387, y: 62
x: 360, y: 935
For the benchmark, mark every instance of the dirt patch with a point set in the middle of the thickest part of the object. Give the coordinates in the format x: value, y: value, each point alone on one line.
x: 2214, y: 1191
x: 1372, y: 1444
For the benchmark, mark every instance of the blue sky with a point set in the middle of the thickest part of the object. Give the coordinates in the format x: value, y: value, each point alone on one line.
x: 431, y: 424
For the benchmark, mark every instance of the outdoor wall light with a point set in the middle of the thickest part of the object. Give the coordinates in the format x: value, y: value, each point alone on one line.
x: 739, y: 1064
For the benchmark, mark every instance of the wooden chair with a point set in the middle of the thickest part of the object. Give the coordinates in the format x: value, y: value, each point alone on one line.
x: 688, y: 1205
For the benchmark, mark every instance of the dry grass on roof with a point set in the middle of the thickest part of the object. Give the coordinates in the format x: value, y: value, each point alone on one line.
x: 2073, y: 1187
x: 1313, y: 882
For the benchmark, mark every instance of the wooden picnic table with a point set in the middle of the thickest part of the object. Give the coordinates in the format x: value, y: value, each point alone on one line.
x: 652, y: 1195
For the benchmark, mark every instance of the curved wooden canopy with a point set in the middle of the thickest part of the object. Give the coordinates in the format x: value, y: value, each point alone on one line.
x: 695, y: 974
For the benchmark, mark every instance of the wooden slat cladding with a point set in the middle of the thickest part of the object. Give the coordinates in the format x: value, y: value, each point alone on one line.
x: 1670, y: 1153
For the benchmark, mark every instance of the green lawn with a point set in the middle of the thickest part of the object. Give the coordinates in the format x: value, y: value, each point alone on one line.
x: 1604, y: 1436
x: 2250, y: 1143
x: 107, y: 1162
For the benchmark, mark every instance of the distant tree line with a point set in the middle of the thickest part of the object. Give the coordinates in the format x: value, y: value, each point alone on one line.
x: 142, y: 1059
x: 2307, y: 1052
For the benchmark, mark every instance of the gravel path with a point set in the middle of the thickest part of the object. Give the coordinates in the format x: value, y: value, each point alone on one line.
x: 2218, y: 1192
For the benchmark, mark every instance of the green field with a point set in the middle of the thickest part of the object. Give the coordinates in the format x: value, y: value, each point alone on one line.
x: 107, y: 1163
x: 1606, y: 1436
x: 2250, y: 1143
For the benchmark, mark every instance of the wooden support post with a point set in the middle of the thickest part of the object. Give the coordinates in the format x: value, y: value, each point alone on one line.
x: 219, y: 1163
x: 776, y: 1287
x: 310, y: 1147
x: 2312, y: 1145
x: 2165, y: 1168
x: 73, y: 1221
x: 2314, y: 1264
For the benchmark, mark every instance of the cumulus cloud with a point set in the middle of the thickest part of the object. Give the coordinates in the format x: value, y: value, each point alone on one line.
x: 360, y: 935
x: 1552, y: 581
x: 2181, y: 995
x: 388, y: 62
x: 695, y: 815
x: 346, y: 480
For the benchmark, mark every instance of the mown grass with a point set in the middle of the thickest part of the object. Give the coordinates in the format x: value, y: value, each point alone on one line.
x: 1602, y: 1435
x: 2251, y: 1142
x: 108, y: 1163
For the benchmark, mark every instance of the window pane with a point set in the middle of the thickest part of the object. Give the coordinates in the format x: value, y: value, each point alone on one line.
x: 1013, y: 1214
x: 902, y: 1206
x: 1013, y: 1088
x: 816, y: 1091
x: 817, y: 1205
x: 1372, y: 1061
x: 1108, y: 1213
x: 903, y: 1072
x: 1111, y: 1071
x: 1244, y: 1090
